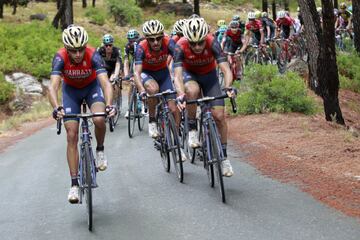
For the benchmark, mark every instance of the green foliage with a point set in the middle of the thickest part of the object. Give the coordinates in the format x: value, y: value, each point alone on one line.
x: 6, y: 89
x: 167, y: 20
x: 96, y: 15
x: 264, y: 90
x: 349, y: 71
x: 125, y: 11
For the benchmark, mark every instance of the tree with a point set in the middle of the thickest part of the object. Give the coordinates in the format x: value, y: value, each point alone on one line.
x: 12, y: 3
x: 273, y: 8
x: 264, y: 5
x: 336, y: 5
x: 197, y: 7
x: 323, y: 71
x: 84, y: 3
x: 356, y: 22
x: 286, y: 5
x: 64, y: 15
x: 93, y: 3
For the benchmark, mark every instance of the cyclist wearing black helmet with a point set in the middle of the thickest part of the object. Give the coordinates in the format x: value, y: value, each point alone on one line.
x: 111, y: 56
x: 134, y: 38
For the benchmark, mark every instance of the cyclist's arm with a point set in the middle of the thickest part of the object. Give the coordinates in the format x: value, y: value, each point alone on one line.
x: 262, y: 36
x: 137, y: 78
x: 179, y: 80
x: 117, y: 70
x: 246, y: 41
x: 228, y: 77
x: 223, y: 41
x: 126, y: 66
x: 268, y: 31
x: 55, y: 81
x: 106, y: 87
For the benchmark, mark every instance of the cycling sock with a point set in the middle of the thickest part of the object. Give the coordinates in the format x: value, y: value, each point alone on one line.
x: 74, y: 181
x: 192, y: 124
x: 224, y: 149
x: 152, y: 119
x: 99, y: 148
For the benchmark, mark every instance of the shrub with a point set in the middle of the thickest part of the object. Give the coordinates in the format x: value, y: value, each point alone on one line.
x: 349, y: 71
x: 6, y: 89
x: 264, y: 91
x: 96, y: 16
x: 125, y: 12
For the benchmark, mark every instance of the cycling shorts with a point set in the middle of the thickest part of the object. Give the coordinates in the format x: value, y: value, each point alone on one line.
x: 73, y: 97
x: 209, y: 85
x: 163, y: 79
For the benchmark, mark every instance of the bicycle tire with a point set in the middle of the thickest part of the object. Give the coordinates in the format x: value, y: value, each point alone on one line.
x: 141, y: 118
x: 164, y: 154
x: 174, y: 147
x: 216, y: 157
x: 132, y: 112
x: 88, y: 184
x: 209, y: 167
x: 117, y: 102
x: 282, y: 61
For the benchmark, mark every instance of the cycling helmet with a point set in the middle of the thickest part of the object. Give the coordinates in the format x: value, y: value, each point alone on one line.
x: 281, y: 14
x: 258, y: 14
x: 336, y: 12
x: 251, y: 16
x: 196, y: 29
x: 264, y: 14
x: 74, y: 37
x: 178, y: 26
x: 153, y: 27
x: 108, y: 39
x: 343, y: 6
x: 132, y: 34
x: 221, y: 22
x: 236, y: 18
x: 194, y: 16
x: 234, y: 24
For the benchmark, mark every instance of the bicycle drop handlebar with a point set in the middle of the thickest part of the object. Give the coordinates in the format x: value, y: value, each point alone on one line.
x: 85, y: 116
x: 209, y: 99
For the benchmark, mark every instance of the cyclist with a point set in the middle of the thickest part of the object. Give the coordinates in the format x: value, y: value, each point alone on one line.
x: 220, y: 24
x: 269, y: 31
x: 241, y: 23
x: 253, y: 28
x: 151, y: 69
x: 344, y: 20
x: 221, y: 33
x: 85, y: 78
x: 111, y: 56
x: 284, y: 23
x: 195, y: 59
x: 178, y: 30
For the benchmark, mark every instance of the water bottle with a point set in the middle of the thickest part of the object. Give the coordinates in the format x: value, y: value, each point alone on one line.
x: 139, y: 103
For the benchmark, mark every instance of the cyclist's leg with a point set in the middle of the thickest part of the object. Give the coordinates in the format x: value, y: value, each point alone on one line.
x: 151, y: 87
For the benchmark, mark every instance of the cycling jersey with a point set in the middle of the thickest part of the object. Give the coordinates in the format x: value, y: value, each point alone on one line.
x: 345, y: 14
x: 255, y: 26
x: 154, y: 60
x: 284, y: 22
x: 129, y: 48
x: 78, y: 75
x: 111, y: 62
x: 267, y: 22
x: 235, y: 37
x: 198, y: 63
x: 175, y: 38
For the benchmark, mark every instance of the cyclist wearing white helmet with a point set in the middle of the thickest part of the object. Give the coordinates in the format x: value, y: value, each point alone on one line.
x: 84, y: 78
x: 111, y: 56
x: 254, y: 31
x: 284, y: 23
x: 178, y: 29
x: 195, y: 59
x: 152, y: 74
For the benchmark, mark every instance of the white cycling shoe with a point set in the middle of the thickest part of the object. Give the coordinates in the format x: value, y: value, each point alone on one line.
x: 227, y: 168
x: 153, y: 132
x: 193, y: 139
x: 73, y: 196
x: 101, y: 161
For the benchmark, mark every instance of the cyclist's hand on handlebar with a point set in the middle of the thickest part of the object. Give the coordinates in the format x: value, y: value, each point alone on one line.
x: 180, y: 102
x: 110, y: 110
x: 230, y: 92
x: 58, y: 113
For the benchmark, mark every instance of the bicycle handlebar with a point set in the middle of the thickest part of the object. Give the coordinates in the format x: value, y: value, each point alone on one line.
x: 209, y: 99
x: 165, y: 93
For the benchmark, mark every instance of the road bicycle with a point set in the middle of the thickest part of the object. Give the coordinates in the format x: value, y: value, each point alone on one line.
x: 135, y: 112
x: 168, y: 142
x: 237, y: 65
x: 210, y: 151
x: 87, y: 168
x: 258, y: 54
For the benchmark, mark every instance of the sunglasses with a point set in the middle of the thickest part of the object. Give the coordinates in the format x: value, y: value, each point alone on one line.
x: 193, y: 44
x: 75, y: 50
x: 108, y: 45
x: 153, y: 39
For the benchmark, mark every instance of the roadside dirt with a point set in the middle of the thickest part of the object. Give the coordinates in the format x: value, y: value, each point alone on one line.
x: 321, y: 158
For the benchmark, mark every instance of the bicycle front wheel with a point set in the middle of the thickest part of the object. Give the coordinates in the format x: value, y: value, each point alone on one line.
x: 88, y: 184
x: 217, y: 158
x: 174, y: 147
x: 164, y: 154
x: 140, y: 116
x: 132, y: 113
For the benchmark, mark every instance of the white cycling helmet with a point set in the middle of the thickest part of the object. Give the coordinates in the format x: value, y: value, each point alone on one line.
x: 251, y: 15
x: 281, y: 14
x: 74, y: 37
x: 153, y: 27
x: 195, y: 29
x: 178, y: 26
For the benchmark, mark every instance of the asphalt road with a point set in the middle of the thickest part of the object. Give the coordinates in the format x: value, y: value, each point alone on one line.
x: 137, y: 199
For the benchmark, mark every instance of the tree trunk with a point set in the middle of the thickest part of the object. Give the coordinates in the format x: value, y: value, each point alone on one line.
x: 286, y: 5
x: 356, y: 23
x: 143, y: 3
x: 323, y: 71
x: 184, y: 1
x: 84, y: 3
x: 264, y: 5
x: 60, y: 12
x: 273, y: 7
x: 64, y: 14
x: 14, y: 5
x: 336, y: 5
x: 58, y: 3
x: 93, y: 3
x: 197, y: 7
x: 1, y: 8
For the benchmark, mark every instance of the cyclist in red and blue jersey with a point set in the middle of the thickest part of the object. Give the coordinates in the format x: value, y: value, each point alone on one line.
x: 85, y: 78
x: 254, y: 31
x: 232, y: 39
x: 284, y: 23
x: 177, y: 29
x: 152, y: 74
x: 195, y: 59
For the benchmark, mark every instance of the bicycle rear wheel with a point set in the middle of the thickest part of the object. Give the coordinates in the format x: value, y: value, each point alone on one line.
x: 216, y: 158
x: 117, y: 102
x: 174, y: 147
x: 132, y: 113
x: 209, y: 167
x: 88, y: 184
x: 164, y: 154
